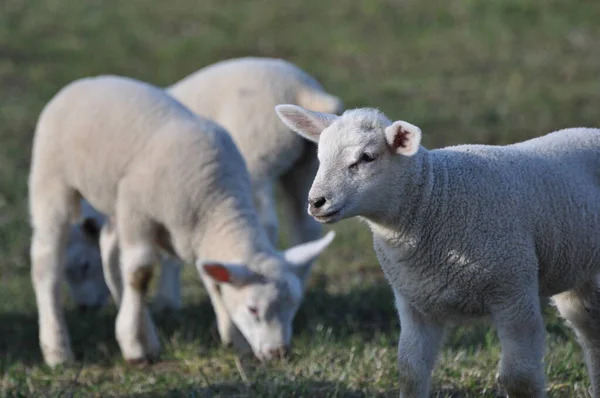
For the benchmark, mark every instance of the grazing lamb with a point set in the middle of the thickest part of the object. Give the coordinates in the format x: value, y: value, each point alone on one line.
x: 469, y: 231
x: 239, y: 94
x: 169, y: 180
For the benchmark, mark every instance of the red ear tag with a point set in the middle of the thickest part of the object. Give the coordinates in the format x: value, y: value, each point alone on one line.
x: 218, y: 272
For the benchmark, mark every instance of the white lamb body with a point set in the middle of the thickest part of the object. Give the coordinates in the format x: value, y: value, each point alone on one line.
x: 169, y: 180
x: 239, y: 94
x: 469, y: 231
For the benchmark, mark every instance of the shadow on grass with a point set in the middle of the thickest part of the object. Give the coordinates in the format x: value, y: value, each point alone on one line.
x: 364, y: 313
x: 297, y: 388
x: 92, y: 334
x: 366, y: 309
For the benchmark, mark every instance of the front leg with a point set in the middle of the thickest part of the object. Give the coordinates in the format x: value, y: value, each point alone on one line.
x: 420, y: 340
x: 136, y: 333
x: 520, y: 327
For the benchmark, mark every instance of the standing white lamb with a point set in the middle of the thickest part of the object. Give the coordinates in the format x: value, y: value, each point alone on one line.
x: 469, y: 231
x: 168, y: 179
x: 239, y: 94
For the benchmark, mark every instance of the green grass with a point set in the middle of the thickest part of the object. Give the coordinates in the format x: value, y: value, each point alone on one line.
x: 463, y: 70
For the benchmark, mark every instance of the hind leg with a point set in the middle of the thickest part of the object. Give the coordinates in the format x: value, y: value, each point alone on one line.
x: 581, y: 308
x: 109, y: 251
x: 296, y: 184
x: 135, y: 330
x: 50, y: 207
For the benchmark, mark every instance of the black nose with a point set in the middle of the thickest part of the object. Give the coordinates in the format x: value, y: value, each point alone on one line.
x: 319, y: 202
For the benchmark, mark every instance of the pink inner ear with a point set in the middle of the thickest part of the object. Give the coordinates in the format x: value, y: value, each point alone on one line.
x: 218, y: 272
x: 401, y: 138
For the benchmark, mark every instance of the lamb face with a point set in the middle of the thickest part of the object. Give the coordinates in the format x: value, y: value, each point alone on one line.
x: 355, y: 151
x: 83, y: 266
x: 263, y: 305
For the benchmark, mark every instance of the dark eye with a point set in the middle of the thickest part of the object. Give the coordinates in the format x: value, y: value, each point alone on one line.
x: 366, y: 158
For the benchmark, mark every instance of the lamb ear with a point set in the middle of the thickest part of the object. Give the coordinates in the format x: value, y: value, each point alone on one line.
x: 301, y: 256
x: 237, y: 275
x: 307, y: 123
x: 404, y: 138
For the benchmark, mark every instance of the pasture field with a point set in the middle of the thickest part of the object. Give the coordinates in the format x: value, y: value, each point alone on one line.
x: 491, y: 72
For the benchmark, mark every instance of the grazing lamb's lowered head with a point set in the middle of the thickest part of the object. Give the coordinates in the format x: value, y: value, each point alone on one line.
x: 263, y: 304
x: 355, y: 154
x: 83, y: 263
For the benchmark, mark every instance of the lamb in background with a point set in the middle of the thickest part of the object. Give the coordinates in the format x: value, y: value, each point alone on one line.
x: 240, y: 94
x: 171, y: 180
x: 469, y: 231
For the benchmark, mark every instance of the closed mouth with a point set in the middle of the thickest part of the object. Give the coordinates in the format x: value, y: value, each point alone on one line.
x: 328, y: 217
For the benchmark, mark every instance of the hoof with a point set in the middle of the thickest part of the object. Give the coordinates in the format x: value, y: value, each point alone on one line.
x: 58, y: 358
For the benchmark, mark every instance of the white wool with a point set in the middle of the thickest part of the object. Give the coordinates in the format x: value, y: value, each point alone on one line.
x: 169, y: 180
x: 469, y: 231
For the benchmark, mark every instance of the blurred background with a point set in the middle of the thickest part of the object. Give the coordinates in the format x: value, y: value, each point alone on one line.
x: 465, y: 71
